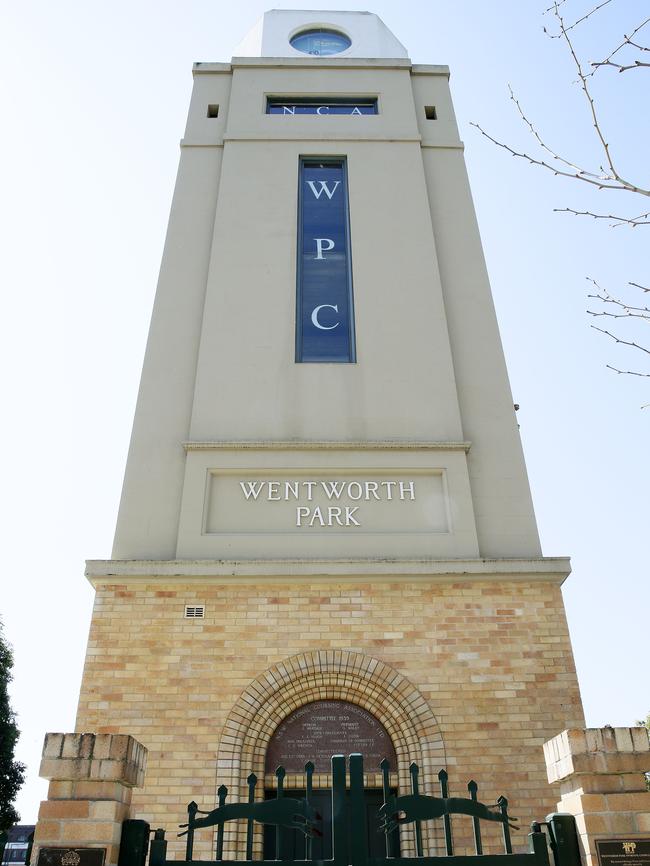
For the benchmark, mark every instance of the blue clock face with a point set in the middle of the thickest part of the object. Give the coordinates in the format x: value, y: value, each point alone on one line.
x: 320, y: 43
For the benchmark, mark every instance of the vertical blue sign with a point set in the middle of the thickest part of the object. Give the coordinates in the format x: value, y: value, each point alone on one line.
x: 324, y: 315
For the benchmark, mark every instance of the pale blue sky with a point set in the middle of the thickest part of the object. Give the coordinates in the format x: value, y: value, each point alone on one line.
x: 94, y: 102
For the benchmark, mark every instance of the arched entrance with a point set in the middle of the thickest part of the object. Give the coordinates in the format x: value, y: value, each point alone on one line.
x: 330, y: 675
x: 313, y: 733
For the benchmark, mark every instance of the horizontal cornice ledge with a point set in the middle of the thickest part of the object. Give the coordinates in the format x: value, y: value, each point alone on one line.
x: 308, y: 135
x: 430, y: 69
x: 208, y: 68
x: 199, y: 68
x: 326, y: 445
x: 542, y: 569
x: 318, y: 62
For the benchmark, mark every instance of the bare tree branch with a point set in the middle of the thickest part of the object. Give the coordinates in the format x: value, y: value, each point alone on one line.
x: 557, y: 5
x: 610, y: 179
x: 606, y: 178
x: 629, y: 373
x: 640, y: 220
x: 616, y: 339
x: 638, y: 64
x: 592, y: 105
x: 541, y: 142
x: 601, y: 182
x: 629, y: 310
x: 627, y: 40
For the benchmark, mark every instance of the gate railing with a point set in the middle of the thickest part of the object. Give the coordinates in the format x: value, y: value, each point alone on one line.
x: 351, y: 848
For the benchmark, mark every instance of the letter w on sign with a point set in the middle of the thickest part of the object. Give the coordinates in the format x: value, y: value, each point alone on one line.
x: 324, y: 188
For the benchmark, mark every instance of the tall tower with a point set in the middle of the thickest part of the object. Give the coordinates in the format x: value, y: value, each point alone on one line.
x: 325, y: 498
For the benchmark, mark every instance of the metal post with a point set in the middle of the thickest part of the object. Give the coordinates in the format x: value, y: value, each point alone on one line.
x: 309, y: 772
x: 385, y: 784
x: 339, y: 823
x: 251, y: 781
x: 158, y: 848
x: 279, y: 835
x: 192, y: 809
x: 414, y: 770
x: 472, y: 787
x: 359, y: 825
x: 444, y: 793
x: 222, y: 793
x: 503, y: 805
x: 537, y: 846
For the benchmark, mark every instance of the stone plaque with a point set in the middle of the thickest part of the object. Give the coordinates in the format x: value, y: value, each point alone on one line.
x: 321, y: 729
x: 71, y: 856
x: 623, y: 852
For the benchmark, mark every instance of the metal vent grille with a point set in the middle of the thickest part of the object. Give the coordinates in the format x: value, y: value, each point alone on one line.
x: 194, y: 611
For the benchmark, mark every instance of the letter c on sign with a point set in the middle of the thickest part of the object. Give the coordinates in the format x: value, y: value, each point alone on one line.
x: 316, y: 311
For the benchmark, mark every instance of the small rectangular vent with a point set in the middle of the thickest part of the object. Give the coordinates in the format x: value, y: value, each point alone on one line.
x: 213, y: 111
x: 194, y: 611
x: 430, y: 112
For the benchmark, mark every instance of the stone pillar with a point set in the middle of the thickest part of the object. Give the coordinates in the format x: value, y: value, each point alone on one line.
x: 91, y: 781
x: 602, y: 782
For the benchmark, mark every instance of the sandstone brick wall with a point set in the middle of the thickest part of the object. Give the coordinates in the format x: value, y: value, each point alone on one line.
x: 476, y: 675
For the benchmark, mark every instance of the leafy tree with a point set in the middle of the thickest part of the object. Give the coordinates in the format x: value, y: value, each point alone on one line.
x: 12, y: 772
x: 629, y: 53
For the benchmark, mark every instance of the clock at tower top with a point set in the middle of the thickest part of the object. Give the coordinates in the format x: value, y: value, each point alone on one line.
x: 320, y: 34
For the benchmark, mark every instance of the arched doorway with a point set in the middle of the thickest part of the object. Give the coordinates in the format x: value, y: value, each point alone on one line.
x: 329, y: 675
x: 313, y: 733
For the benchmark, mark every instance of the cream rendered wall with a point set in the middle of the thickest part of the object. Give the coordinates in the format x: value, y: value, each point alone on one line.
x: 503, y: 506
x: 220, y: 359
x: 147, y: 522
x: 248, y: 384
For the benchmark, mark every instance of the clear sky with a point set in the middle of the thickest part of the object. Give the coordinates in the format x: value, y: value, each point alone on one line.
x: 94, y: 98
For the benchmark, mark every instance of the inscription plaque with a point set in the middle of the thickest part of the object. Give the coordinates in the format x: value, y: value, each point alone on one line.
x: 321, y: 729
x: 71, y: 856
x: 623, y: 852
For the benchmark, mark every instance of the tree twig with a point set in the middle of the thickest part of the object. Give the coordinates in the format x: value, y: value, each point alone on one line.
x: 628, y: 373
x: 557, y: 5
x: 627, y: 40
x: 601, y: 182
x: 640, y: 220
x: 630, y: 311
x: 638, y: 64
x: 623, y: 342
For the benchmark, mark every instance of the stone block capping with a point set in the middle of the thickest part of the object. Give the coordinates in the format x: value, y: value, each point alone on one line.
x: 91, y: 781
x: 601, y: 772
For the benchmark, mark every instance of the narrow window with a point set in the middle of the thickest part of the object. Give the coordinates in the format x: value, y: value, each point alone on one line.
x: 430, y: 112
x: 324, y: 308
x: 213, y: 111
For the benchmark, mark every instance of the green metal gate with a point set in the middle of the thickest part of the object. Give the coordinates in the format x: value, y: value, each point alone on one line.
x: 351, y: 848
